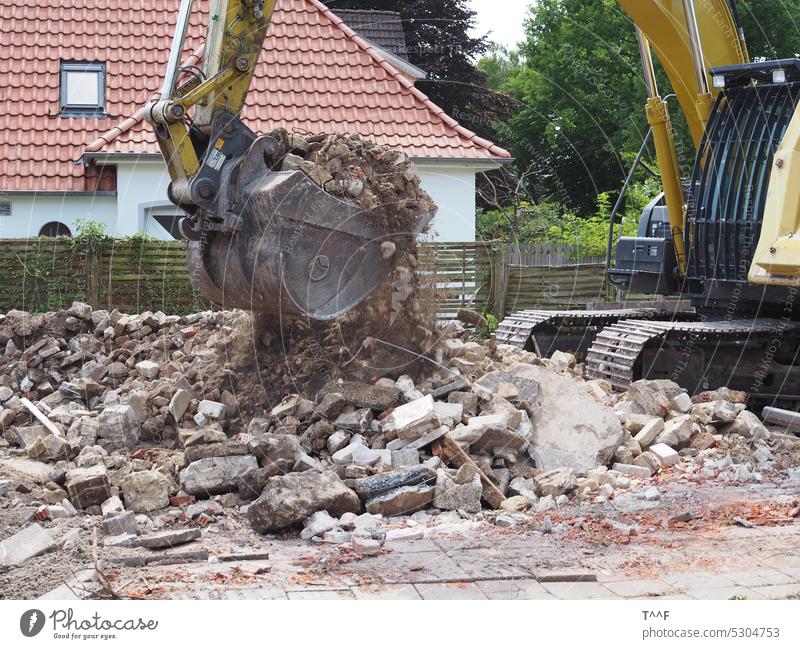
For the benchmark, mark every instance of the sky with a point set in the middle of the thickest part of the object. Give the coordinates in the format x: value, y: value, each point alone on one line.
x: 501, y: 17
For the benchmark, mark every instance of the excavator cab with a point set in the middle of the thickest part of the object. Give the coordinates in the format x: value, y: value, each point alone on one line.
x: 646, y: 263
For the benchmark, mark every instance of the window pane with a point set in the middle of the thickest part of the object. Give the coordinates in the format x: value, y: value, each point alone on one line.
x: 83, y: 88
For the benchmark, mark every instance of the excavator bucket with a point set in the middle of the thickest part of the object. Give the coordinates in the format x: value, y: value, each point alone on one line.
x: 295, y: 250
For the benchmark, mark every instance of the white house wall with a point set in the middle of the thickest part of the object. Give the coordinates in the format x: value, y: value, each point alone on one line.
x: 453, y: 190
x: 29, y: 212
x: 142, y: 190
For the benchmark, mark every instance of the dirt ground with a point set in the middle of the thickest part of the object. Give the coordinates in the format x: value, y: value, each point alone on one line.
x: 694, y: 529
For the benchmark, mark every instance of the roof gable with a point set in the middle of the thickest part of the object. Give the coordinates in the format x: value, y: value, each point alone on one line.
x: 315, y: 75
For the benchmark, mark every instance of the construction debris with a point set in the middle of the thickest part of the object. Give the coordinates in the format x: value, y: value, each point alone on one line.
x: 149, y: 427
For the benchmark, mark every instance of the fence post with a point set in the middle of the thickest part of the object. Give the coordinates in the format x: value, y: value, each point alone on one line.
x: 93, y: 275
x: 499, y: 281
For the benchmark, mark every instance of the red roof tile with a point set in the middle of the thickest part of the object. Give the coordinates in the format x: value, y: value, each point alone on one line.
x: 315, y: 74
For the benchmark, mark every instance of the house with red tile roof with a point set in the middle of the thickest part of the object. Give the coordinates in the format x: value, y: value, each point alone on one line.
x: 76, y: 73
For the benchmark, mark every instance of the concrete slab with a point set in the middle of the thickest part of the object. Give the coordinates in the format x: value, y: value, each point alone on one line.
x: 760, y: 577
x: 781, y: 591
x: 579, y: 590
x: 321, y: 594
x: 450, y: 590
x: 718, y: 594
x: 25, y: 544
x: 492, y: 563
x: 507, y: 589
x: 637, y: 589
x: 415, y: 567
x: 387, y: 591
x: 697, y: 580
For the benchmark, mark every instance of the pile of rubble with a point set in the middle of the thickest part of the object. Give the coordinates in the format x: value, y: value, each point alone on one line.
x: 381, y: 181
x: 146, y: 423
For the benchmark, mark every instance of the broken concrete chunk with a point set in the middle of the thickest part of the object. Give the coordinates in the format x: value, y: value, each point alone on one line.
x: 290, y: 499
x: 650, y: 397
x: 317, y: 524
x: 112, y: 506
x: 146, y: 491
x: 585, y: 434
x: 405, y: 457
x: 88, y: 486
x: 364, y: 395
x: 451, y: 495
x: 526, y: 383
x: 649, y: 461
x: 179, y: 403
x: 331, y: 405
x: 357, y: 421
x: 147, y: 369
x: 118, y: 427
x: 337, y: 441
x: 215, y: 475
x: 748, y: 425
x: 169, y: 538
x: 561, y: 361
x: 648, y: 433
x: 633, y: 470
x: 414, y: 419
x: 382, y: 482
x: 477, y: 426
x: 555, y: 482
x: 345, y: 455
x: 449, y: 414
x: 467, y: 400
x: 681, y: 402
x: 677, y: 432
x: 29, y: 542
x: 49, y: 448
x: 213, y: 410
x: 405, y: 384
x: 666, y: 455
x: 122, y: 523
x: 402, y: 501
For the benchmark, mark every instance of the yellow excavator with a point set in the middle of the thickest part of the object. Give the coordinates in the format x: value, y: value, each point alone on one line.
x: 258, y: 239
x: 724, y: 234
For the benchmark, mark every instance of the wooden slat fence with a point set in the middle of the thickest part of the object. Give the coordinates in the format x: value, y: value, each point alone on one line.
x: 41, y: 274
x: 460, y: 273
x: 537, y: 253
x: 555, y: 287
x: 135, y: 275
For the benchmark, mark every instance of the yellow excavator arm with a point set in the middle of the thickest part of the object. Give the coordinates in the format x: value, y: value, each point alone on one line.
x: 690, y: 39
x: 235, y: 36
x: 262, y: 236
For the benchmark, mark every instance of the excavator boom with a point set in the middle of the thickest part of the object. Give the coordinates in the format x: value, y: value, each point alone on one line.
x: 260, y: 239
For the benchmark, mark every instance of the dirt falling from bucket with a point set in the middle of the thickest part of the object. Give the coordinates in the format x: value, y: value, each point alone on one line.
x: 274, y: 354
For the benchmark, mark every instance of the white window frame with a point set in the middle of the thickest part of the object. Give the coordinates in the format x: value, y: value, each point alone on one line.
x: 84, y: 110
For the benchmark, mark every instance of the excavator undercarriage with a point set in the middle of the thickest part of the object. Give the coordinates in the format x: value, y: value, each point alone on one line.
x: 743, y: 328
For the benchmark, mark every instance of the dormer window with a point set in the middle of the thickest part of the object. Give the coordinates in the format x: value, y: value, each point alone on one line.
x: 83, y: 89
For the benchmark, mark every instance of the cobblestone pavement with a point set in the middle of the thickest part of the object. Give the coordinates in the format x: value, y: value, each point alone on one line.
x: 753, y: 564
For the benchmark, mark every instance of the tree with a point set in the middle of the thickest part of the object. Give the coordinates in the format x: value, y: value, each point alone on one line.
x: 580, y: 99
x: 499, y: 65
x: 438, y: 42
x: 771, y: 27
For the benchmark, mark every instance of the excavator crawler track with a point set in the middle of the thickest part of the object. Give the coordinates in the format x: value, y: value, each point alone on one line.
x: 520, y: 328
x: 618, y: 348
